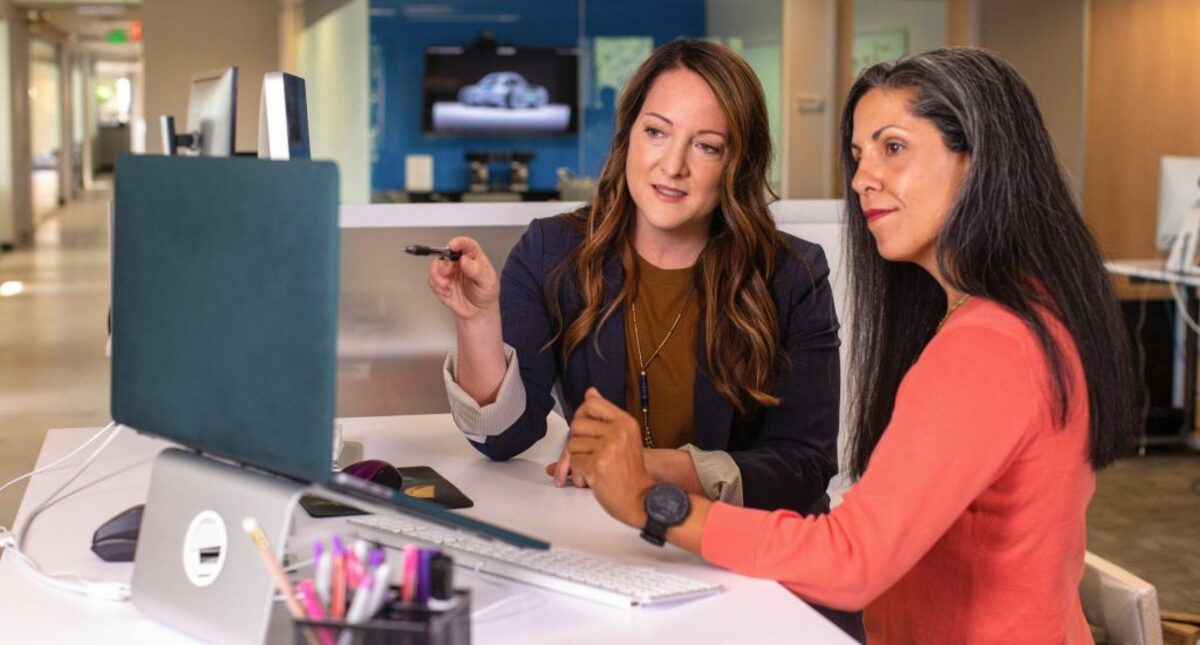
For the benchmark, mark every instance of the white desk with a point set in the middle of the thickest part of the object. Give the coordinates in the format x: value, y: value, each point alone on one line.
x: 515, y: 494
x: 1153, y: 270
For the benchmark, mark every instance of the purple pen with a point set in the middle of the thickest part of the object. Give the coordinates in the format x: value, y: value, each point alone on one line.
x: 377, y: 557
x: 424, y: 574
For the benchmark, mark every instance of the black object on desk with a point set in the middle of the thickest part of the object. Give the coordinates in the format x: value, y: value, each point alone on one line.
x: 412, y: 624
x: 116, y: 539
x: 420, y: 482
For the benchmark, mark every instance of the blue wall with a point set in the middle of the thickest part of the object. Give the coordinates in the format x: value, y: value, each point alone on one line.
x: 402, y: 29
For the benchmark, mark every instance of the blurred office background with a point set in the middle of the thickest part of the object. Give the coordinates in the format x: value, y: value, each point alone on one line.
x: 82, y: 82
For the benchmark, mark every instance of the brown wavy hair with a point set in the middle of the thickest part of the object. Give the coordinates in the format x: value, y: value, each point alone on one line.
x: 734, y: 271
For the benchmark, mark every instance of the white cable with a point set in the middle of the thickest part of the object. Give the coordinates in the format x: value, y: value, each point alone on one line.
x: 521, y: 596
x: 292, y: 568
x: 1141, y: 373
x: 21, y: 528
x: 13, y: 540
x: 503, y: 583
x: 1177, y: 292
x: 59, y: 460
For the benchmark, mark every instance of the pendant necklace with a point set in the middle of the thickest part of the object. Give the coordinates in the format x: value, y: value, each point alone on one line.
x: 954, y: 307
x: 643, y: 381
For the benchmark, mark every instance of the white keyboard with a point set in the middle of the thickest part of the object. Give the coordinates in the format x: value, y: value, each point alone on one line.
x: 558, y: 569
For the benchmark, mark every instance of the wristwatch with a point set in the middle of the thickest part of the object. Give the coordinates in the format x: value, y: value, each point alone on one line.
x: 667, y: 505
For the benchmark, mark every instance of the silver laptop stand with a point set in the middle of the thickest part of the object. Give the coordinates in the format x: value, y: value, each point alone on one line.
x: 195, y: 569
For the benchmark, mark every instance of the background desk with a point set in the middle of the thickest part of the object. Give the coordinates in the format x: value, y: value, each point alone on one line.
x: 516, y: 494
x: 1153, y: 270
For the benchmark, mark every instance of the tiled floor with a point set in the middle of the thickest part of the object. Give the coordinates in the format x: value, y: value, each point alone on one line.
x: 53, y: 373
x: 1145, y: 517
x: 53, y: 369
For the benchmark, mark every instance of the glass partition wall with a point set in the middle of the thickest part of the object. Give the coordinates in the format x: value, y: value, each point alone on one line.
x: 513, y: 100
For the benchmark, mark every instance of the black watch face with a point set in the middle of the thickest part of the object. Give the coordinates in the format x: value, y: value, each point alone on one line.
x: 668, y: 504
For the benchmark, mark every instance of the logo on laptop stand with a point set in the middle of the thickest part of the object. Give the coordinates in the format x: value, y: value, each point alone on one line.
x: 204, y: 548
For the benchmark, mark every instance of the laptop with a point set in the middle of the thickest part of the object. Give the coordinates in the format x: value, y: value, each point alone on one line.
x: 224, y: 335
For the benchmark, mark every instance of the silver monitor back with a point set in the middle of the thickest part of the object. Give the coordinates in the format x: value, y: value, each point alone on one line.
x: 212, y: 112
x: 283, y: 118
x: 1178, y: 192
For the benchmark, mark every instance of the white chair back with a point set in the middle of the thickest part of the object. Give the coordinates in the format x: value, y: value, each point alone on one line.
x: 1121, y: 603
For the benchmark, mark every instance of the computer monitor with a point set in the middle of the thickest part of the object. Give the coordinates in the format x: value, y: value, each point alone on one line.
x: 212, y: 114
x: 283, y: 118
x: 1178, y: 193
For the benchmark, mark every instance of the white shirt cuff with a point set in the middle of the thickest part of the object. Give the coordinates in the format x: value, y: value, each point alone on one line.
x: 480, y: 422
x: 719, y: 474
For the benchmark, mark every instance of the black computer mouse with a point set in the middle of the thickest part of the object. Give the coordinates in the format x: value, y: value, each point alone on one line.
x: 116, y: 539
x: 376, y: 470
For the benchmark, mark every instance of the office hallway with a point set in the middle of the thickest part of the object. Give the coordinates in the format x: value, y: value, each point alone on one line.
x: 1145, y: 515
x: 53, y: 371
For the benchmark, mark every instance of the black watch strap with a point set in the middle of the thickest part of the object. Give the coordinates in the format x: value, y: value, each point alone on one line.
x: 654, y: 532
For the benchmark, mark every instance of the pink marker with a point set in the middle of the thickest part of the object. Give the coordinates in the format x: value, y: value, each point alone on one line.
x: 307, y: 592
x: 354, y: 569
x: 411, y: 567
x: 308, y: 598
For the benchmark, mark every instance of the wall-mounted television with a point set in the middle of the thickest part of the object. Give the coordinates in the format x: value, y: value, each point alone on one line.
x: 501, y: 91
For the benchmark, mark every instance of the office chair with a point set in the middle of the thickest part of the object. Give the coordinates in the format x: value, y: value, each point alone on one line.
x: 1124, y: 605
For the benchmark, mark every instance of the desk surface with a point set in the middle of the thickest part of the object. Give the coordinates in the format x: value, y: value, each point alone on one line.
x: 516, y: 494
x: 1152, y: 269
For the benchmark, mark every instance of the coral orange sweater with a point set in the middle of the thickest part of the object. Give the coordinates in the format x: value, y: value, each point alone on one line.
x: 968, y: 525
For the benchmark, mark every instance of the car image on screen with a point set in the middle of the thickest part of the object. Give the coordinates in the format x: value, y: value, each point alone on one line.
x: 504, y: 89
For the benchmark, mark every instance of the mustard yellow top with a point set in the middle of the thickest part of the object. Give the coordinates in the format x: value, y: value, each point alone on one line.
x: 661, y: 294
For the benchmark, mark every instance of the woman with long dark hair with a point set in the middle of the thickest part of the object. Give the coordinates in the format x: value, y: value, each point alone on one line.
x: 673, y: 295
x: 991, y: 378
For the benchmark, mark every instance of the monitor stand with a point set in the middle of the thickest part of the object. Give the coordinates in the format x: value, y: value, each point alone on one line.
x: 1183, y: 251
x: 195, y: 568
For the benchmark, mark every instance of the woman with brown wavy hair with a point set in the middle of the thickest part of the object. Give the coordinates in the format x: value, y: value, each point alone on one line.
x: 673, y: 294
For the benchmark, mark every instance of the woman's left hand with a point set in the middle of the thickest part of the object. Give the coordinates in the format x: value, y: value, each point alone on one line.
x: 606, y: 449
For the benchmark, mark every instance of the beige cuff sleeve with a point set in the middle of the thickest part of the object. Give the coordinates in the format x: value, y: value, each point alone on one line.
x: 719, y: 474
x: 480, y: 422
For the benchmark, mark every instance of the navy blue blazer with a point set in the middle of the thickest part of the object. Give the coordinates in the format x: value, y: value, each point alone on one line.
x: 787, y: 454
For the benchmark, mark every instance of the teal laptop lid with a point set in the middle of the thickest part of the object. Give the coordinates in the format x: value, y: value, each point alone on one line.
x: 225, y: 293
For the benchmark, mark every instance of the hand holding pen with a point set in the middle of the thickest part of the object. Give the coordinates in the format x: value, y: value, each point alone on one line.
x: 469, y: 287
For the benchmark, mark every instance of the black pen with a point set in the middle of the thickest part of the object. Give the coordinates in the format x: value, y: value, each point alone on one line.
x: 443, y: 253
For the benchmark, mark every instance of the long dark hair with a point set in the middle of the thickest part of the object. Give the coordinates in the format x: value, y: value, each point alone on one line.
x: 735, y: 269
x: 1014, y: 236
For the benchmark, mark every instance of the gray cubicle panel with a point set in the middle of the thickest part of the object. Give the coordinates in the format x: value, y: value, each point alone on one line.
x: 394, y: 334
x: 820, y: 221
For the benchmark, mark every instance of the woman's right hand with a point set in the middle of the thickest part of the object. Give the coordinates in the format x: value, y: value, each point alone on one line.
x: 468, y: 286
x: 562, y: 473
